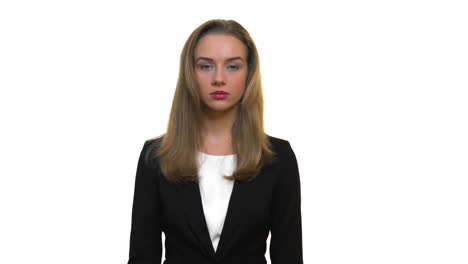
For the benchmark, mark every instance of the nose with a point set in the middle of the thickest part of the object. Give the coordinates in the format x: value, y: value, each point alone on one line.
x: 218, y: 78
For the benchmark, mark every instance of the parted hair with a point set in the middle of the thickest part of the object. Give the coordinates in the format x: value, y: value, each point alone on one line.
x: 175, y: 151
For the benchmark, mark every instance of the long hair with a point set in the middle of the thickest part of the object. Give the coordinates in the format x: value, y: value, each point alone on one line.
x: 177, y: 148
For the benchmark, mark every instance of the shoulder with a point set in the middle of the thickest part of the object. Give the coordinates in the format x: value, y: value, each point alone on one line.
x: 280, y: 145
x: 287, y: 178
x: 284, y: 153
x: 276, y: 141
x: 153, y: 143
x: 149, y: 151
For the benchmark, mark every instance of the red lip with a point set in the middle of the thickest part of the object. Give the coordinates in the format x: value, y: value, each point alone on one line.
x: 219, y: 92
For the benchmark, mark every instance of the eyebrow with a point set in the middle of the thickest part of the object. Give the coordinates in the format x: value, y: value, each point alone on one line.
x: 210, y: 59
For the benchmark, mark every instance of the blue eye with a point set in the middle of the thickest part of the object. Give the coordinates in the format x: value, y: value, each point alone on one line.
x: 203, y: 66
x: 208, y: 67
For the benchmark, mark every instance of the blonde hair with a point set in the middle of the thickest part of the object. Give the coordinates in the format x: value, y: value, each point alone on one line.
x: 177, y: 148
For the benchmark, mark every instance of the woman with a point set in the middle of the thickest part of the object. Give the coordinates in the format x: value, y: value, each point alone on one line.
x: 215, y: 183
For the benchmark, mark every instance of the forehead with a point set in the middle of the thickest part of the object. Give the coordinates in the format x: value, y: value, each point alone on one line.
x: 220, y: 46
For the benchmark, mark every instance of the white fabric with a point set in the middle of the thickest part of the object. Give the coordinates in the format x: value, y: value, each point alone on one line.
x: 215, y: 191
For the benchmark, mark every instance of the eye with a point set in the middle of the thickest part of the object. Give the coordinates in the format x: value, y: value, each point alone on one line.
x: 235, y: 67
x: 204, y: 67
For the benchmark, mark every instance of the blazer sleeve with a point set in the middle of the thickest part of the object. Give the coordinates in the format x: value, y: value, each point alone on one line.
x: 286, y: 229
x: 145, y: 234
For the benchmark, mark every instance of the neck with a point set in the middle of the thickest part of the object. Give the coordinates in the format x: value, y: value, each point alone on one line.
x: 217, y: 131
x: 218, y: 124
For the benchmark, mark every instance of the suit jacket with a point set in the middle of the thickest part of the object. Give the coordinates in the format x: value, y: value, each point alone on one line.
x: 269, y: 203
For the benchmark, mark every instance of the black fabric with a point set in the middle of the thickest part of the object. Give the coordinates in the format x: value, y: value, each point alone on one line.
x: 269, y: 203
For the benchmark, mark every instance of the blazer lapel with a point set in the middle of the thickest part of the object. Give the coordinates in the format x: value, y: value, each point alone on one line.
x: 231, y: 222
x: 196, y: 219
x: 197, y: 222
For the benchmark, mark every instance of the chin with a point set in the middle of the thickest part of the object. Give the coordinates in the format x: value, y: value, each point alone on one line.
x: 220, y: 108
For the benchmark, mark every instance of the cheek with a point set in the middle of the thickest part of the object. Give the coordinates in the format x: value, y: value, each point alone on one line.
x: 203, y: 81
x: 239, y: 83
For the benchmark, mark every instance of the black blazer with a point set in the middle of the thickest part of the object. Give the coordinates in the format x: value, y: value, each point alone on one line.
x: 270, y: 202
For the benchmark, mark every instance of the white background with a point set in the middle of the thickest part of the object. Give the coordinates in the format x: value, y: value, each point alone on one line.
x: 372, y: 96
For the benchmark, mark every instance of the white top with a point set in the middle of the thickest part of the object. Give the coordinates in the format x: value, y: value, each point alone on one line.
x: 215, y: 191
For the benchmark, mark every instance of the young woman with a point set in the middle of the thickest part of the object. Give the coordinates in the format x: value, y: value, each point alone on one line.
x: 215, y: 183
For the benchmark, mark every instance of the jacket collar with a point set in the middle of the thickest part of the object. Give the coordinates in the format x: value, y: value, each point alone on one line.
x: 195, y: 218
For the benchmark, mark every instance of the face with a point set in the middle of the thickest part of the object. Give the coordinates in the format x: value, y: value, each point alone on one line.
x: 220, y: 65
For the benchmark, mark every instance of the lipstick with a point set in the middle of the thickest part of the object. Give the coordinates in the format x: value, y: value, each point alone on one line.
x: 219, y: 94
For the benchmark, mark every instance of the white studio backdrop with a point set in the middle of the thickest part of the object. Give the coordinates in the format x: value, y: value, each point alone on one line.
x: 372, y: 96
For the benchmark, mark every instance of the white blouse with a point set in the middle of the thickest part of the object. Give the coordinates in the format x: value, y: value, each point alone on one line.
x: 215, y: 191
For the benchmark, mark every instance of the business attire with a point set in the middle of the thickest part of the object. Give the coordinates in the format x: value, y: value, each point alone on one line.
x: 269, y: 203
x: 215, y: 190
